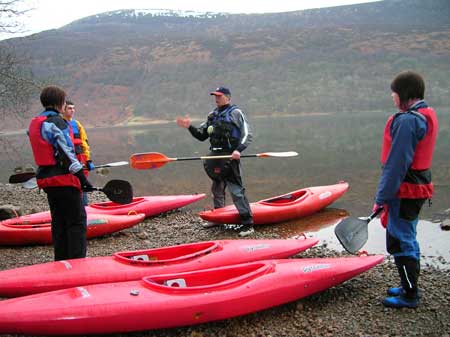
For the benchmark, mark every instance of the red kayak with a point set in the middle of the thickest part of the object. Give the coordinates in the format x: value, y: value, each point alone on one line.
x: 284, y: 207
x: 41, y: 233
x: 171, y: 300
x: 133, y: 265
x: 150, y: 206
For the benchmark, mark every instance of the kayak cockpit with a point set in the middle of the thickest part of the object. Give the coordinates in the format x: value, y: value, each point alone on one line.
x: 209, y: 279
x: 112, y: 205
x: 170, y: 254
x: 27, y: 226
x: 286, y: 199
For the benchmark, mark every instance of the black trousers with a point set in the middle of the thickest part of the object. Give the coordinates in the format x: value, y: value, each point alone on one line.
x: 233, y: 181
x: 68, y: 222
x: 409, y: 270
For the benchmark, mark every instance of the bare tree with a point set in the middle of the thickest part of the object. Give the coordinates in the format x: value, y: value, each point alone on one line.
x: 17, y: 83
x: 9, y: 12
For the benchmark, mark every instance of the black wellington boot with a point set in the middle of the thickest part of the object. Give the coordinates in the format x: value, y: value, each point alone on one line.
x: 408, y: 269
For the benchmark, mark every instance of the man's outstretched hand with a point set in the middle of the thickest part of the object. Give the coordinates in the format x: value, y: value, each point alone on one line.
x: 183, y: 122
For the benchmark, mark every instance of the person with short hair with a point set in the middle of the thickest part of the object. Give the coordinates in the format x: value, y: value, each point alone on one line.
x: 229, y: 133
x: 405, y: 183
x: 80, y: 142
x: 60, y: 175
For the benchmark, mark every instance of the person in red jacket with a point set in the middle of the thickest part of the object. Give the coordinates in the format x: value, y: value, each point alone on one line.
x: 405, y: 183
x: 60, y: 175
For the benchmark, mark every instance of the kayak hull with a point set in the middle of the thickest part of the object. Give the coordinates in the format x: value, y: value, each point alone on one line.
x: 181, y: 299
x: 148, y: 205
x: 281, y: 208
x: 133, y: 265
x: 41, y: 233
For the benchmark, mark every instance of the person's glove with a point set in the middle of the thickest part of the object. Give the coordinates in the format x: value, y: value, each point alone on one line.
x: 384, y: 214
x: 90, y: 165
x: 86, y: 186
x: 376, y: 207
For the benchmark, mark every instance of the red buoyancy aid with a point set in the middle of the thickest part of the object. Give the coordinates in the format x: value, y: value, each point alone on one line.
x: 49, y: 174
x: 422, y: 187
x: 42, y: 150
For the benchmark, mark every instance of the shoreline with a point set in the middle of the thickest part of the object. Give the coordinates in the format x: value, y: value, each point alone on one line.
x: 142, y: 121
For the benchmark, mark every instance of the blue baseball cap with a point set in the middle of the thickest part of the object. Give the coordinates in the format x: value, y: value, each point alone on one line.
x: 221, y: 91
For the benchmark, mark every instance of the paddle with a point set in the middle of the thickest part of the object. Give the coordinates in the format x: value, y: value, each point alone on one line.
x: 115, y: 164
x: 119, y: 191
x: 151, y: 160
x: 352, y: 232
x: 22, y: 177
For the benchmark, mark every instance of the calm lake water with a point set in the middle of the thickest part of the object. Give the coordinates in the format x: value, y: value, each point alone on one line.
x: 331, y: 148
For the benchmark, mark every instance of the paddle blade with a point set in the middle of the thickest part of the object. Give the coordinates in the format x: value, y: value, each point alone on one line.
x: 21, y: 177
x: 352, y: 233
x: 278, y: 154
x: 148, y: 160
x: 30, y: 184
x: 119, y: 191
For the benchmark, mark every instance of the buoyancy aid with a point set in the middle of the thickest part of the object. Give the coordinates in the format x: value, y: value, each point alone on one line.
x: 417, y: 183
x: 224, y: 134
x: 76, y: 138
x: 77, y: 142
x: 43, y: 152
x: 50, y: 172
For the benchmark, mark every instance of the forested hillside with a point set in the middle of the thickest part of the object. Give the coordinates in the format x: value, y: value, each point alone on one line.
x: 126, y: 64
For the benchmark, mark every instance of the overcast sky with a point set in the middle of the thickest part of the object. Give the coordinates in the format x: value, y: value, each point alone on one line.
x: 50, y: 14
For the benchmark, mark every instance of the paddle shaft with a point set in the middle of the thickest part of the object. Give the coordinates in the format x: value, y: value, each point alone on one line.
x: 374, y: 214
x: 209, y: 157
x: 25, y: 176
x: 152, y: 160
x: 119, y: 163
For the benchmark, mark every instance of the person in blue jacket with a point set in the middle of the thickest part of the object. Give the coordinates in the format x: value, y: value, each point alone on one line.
x: 405, y: 183
x: 60, y: 175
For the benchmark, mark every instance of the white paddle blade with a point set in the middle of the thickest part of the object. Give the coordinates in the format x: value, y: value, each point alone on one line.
x: 280, y: 154
x: 119, y: 163
x: 30, y: 184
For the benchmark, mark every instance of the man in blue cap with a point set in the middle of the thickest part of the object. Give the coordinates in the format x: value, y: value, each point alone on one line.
x: 229, y: 133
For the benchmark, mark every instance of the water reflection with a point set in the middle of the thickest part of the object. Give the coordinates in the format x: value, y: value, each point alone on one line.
x: 331, y: 147
x: 309, y: 224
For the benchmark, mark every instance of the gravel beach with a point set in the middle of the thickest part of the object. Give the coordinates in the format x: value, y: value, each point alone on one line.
x: 350, y: 309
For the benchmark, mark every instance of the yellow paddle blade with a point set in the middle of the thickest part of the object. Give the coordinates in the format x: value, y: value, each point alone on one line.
x: 148, y: 160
